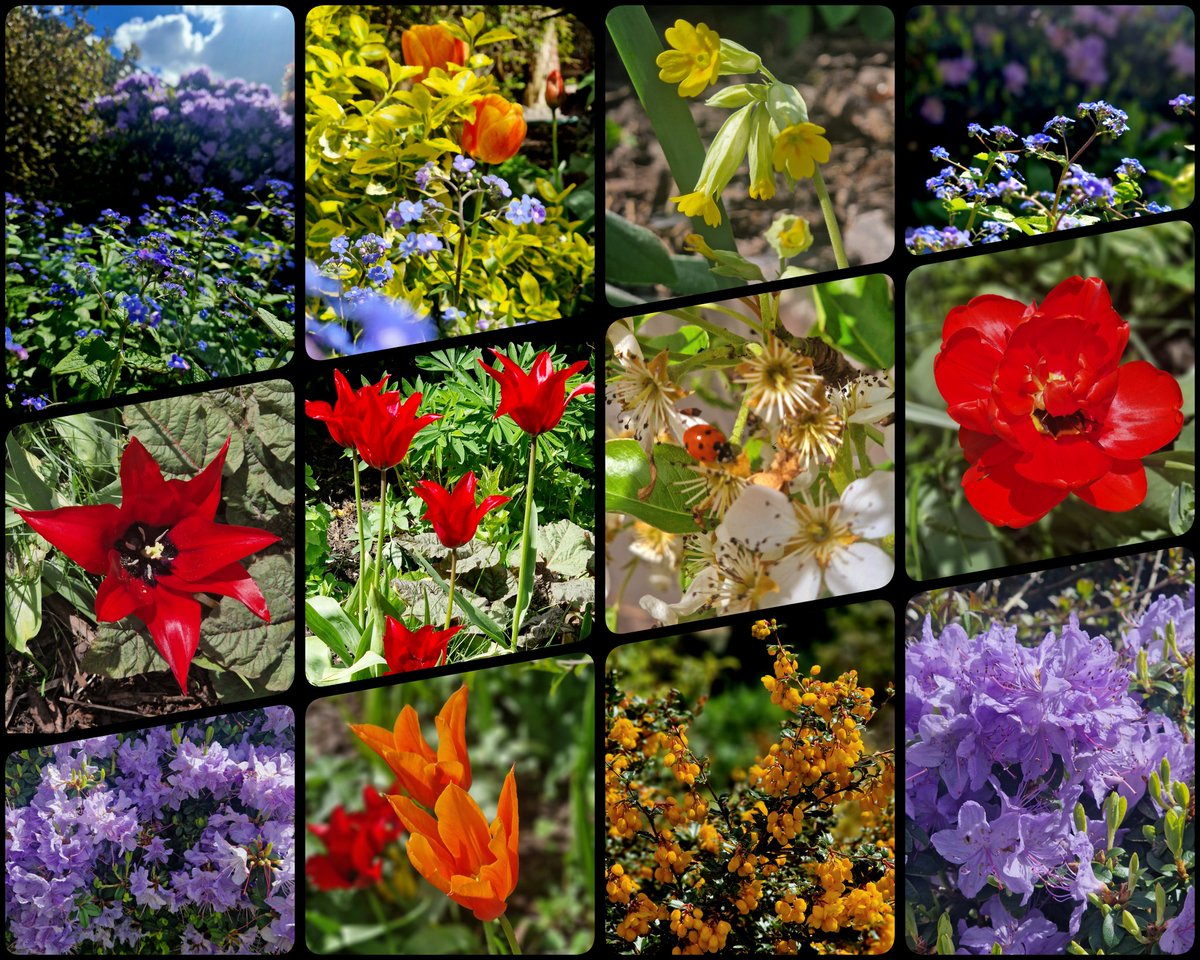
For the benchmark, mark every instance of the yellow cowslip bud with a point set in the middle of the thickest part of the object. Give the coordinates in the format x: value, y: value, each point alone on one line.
x: 786, y: 105
x: 738, y: 95
x: 762, y: 142
x: 720, y: 164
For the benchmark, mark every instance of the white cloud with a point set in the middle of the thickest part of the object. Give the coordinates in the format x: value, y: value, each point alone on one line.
x: 254, y: 43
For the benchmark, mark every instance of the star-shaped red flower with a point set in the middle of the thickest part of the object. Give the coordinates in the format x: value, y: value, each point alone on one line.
x: 157, y: 550
x: 406, y: 649
x: 535, y: 400
x: 453, y: 513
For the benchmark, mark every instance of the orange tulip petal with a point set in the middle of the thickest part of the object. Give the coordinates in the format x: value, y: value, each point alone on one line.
x: 424, y: 858
x: 451, y: 723
x: 377, y: 738
x: 462, y: 828
x: 478, y: 897
x: 408, y: 737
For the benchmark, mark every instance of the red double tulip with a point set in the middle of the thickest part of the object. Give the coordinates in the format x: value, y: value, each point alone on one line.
x: 405, y: 649
x: 497, y: 131
x: 422, y: 772
x: 157, y: 550
x: 535, y: 400
x: 433, y: 46
x: 353, y: 844
x: 377, y: 423
x: 1046, y: 407
x: 475, y: 864
x: 453, y: 513
x: 555, y: 90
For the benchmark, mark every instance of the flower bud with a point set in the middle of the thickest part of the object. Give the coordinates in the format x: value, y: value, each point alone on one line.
x: 737, y: 59
x: 1156, y: 789
x: 1129, y: 922
x: 789, y: 235
x: 786, y: 105
x: 1134, y: 865
x: 738, y: 95
x: 1160, y: 903
x: 762, y: 175
x: 1080, y: 818
x: 1164, y: 771
x: 555, y: 90
x: 1076, y: 949
x: 1179, y: 790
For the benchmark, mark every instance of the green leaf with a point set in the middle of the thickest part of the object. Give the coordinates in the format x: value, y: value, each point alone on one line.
x: 856, y: 317
x: 22, y: 610
x: 281, y: 330
x: 495, y: 35
x: 1110, y: 931
x: 565, y: 548
x: 37, y: 494
x: 91, y: 353
x: 627, y: 472
x: 473, y: 614
x: 331, y: 625
x: 634, y: 255
x: 1183, y: 509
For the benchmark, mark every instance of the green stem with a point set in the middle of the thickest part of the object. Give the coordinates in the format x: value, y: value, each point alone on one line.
x: 522, y: 585
x: 362, y: 540
x: 831, y: 224
x: 554, y: 147
x: 119, y: 359
x: 509, y: 935
x: 382, y: 514
x: 450, y: 603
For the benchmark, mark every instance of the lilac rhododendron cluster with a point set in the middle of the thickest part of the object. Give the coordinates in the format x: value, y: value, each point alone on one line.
x: 987, y: 198
x: 1014, y: 753
x: 201, y: 132
x: 171, y: 840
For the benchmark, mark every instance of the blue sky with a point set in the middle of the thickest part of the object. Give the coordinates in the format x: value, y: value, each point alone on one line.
x: 251, y: 42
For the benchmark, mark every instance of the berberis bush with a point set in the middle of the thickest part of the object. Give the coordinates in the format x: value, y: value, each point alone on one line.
x: 173, y: 840
x: 799, y: 856
x: 1049, y: 788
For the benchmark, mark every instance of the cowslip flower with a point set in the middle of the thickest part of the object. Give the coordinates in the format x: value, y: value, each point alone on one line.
x: 720, y: 164
x: 431, y: 47
x: 497, y: 131
x: 693, y: 60
x: 453, y: 513
x: 420, y: 771
x: 1045, y: 406
x: 157, y: 550
x: 353, y: 843
x: 799, y: 148
x: 535, y: 400
x: 405, y: 649
x: 475, y: 864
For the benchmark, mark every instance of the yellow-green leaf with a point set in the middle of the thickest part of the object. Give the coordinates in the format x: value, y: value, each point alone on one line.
x: 495, y: 35
x: 327, y: 106
x: 329, y: 60
x: 375, y: 78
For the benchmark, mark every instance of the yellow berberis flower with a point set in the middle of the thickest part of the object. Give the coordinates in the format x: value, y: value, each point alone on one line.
x: 799, y: 148
x: 695, y: 59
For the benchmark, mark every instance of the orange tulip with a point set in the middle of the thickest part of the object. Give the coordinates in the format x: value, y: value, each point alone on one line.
x: 497, y: 131
x: 555, y: 91
x: 421, y: 772
x: 473, y: 864
x: 431, y: 46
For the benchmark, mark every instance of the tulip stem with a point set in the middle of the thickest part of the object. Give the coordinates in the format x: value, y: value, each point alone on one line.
x: 831, y: 224
x: 382, y: 515
x: 554, y: 147
x: 509, y: 935
x: 524, y: 585
x: 450, y: 602
x: 362, y: 540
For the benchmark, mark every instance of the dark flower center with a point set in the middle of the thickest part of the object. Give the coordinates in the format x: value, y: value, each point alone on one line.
x: 1072, y: 423
x: 146, y: 552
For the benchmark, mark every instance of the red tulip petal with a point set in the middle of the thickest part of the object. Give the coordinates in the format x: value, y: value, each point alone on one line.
x: 175, y: 629
x: 1144, y: 414
x: 1004, y: 498
x: 1122, y: 488
x: 205, y: 546
x: 202, y: 493
x: 118, y: 597
x: 142, y: 485
x: 231, y: 581
x: 579, y: 391
x: 1077, y: 297
x: 992, y: 317
x: 964, y: 370
x: 974, y: 444
x: 1066, y: 461
x: 85, y: 534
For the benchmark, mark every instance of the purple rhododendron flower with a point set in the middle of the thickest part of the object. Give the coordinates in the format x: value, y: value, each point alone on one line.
x: 1180, y: 934
x: 982, y: 849
x: 1033, y: 934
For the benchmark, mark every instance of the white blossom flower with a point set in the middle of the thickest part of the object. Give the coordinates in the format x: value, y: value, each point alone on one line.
x: 643, y: 394
x: 780, y: 382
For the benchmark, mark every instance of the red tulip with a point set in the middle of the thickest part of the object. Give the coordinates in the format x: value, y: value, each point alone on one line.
x: 344, y: 416
x: 555, y: 91
x: 353, y: 844
x: 497, y: 131
x: 454, y: 515
x: 158, y: 549
x: 535, y: 400
x: 1045, y: 406
x: 432, y: 46
x: 406, y: 649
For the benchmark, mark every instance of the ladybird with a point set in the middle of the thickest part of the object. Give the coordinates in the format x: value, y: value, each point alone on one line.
x: 706, y: 443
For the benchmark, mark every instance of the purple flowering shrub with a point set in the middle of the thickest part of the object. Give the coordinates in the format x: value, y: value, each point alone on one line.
x: 988, y: 198
x: 201, y: 132
x: 194, y: 288
x: 1049, y: 785
x: 171, y: 840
